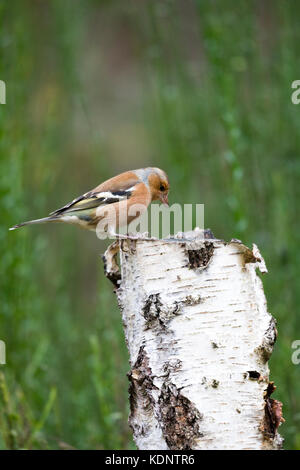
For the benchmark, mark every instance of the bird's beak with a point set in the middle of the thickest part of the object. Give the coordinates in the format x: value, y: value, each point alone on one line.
x: 164, y: 200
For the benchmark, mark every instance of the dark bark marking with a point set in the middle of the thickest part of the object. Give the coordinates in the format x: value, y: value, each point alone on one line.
x: 247, y: 253
x: 113, y: 277
x: 111, y: 267
x: 208, y: 234
x: 253, y: 375
x: 273, y: 414
x: 151, y: 309
x: 201, y: 257
x: 270, y: 336
x: 190, y: 300
x: 215, y: 383
x: 141, y: 384
x: 180, y: 419
x: 172, y: 365
x: 157, y: 314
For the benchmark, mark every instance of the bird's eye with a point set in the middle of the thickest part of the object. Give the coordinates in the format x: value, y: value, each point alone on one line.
x: 162, y: 188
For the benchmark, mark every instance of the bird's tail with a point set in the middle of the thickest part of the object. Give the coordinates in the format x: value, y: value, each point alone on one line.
x: 36, y: 221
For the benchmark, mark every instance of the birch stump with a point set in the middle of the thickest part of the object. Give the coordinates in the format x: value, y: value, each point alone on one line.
x: 199, y: 338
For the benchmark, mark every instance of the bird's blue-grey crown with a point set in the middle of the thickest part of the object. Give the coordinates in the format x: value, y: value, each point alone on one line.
x: 143, y: 174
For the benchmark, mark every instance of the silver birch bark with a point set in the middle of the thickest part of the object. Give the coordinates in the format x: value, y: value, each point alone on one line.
x: 199, y: 338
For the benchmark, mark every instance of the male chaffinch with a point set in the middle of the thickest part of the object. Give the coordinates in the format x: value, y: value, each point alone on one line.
x: 114, y: 203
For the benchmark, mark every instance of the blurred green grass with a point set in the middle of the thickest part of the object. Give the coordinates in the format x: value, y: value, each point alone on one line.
x: 201, y: 89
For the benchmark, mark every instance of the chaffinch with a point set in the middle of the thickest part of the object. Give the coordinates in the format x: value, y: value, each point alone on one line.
x: 114, y: 203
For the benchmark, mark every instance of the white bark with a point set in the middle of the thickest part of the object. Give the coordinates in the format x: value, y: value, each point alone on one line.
x: 199, y: 337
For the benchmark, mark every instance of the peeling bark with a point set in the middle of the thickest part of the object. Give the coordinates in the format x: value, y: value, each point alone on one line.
x: 272, y: 416
x: 111, y: 268
x: 141, y: 400
x: 199, y: 338
x: 180, y: 419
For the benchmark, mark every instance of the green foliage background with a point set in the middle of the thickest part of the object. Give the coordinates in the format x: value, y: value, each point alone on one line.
x: 199, y: 88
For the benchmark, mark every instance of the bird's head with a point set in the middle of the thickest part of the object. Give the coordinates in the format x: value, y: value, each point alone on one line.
x: 159, y: 185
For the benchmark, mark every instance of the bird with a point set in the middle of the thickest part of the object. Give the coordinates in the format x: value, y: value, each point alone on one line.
x: 114, y: 203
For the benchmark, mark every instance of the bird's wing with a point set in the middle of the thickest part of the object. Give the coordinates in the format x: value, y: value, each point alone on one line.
x: 93, y: 199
